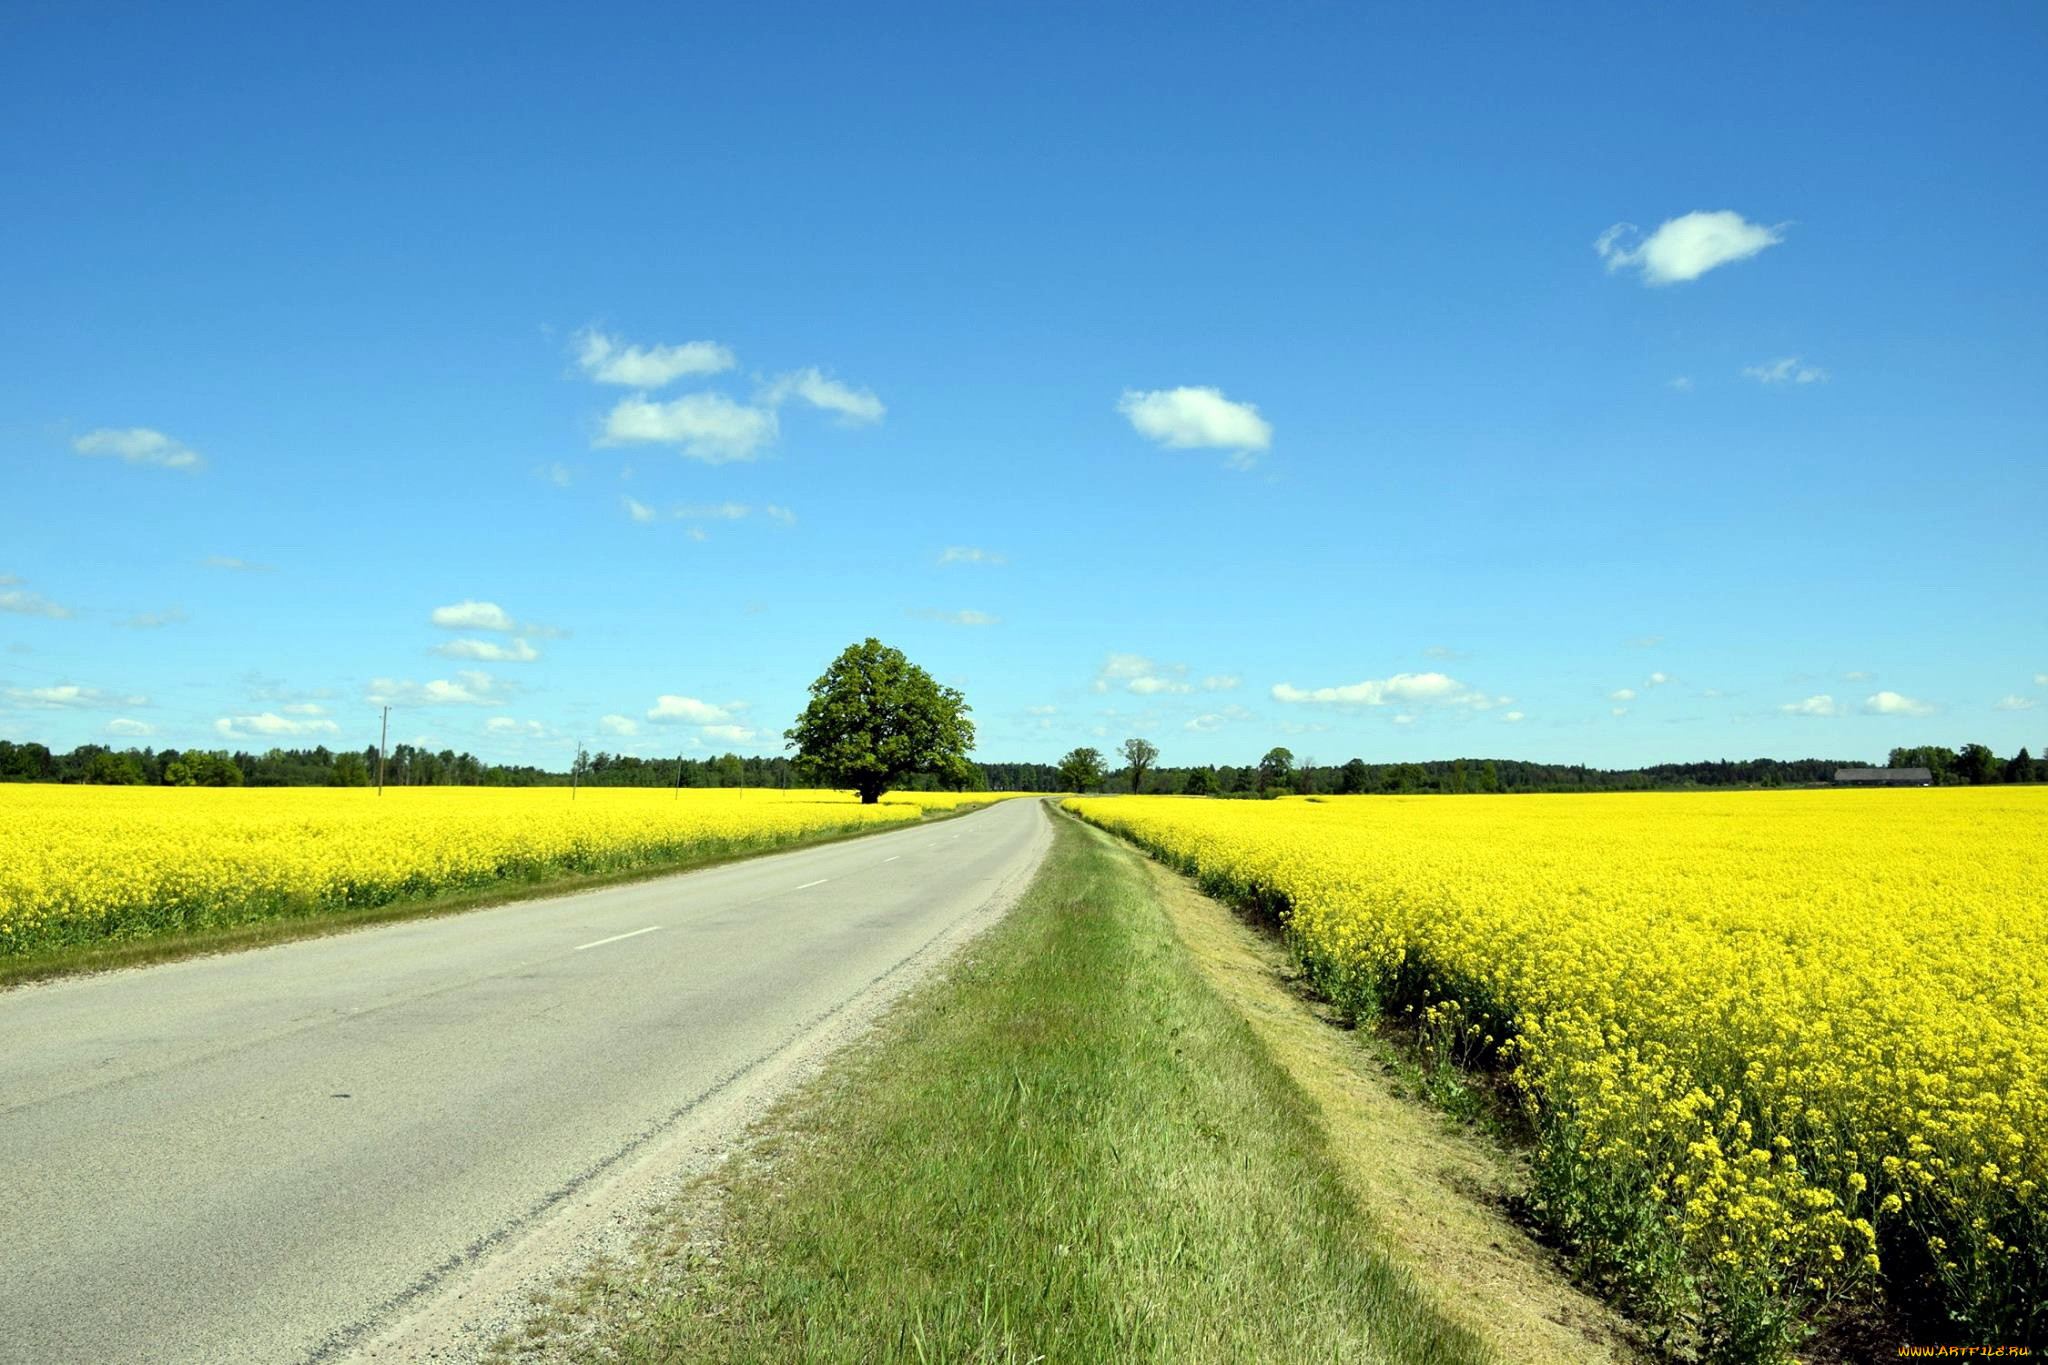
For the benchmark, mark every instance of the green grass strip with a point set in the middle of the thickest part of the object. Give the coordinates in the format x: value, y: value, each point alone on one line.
x: 1067, y: 1149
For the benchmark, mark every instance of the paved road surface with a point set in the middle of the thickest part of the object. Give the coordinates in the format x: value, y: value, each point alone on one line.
x: 268, y: 1156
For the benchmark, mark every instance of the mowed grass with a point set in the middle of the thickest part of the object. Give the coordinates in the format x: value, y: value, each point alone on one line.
x: 1070, y: 1148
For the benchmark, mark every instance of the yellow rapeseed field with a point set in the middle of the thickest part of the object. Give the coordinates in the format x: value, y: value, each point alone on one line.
x: 79, y: 864
x: 1779, y: 1048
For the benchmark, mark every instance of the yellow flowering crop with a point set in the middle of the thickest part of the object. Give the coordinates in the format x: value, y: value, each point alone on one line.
x: 85, y: 863
x: 1773, y: 1043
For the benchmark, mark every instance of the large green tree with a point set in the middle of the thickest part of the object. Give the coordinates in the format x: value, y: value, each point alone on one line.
x: 1081, y: 769
x: 876, y: 718
x: 1140, y: 754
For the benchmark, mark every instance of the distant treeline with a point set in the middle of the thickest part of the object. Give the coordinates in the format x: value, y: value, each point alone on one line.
x: 408, y: 766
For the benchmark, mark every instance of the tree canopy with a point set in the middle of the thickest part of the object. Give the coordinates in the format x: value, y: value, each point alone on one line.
x: 1081, y: 769
x: 875, y: 718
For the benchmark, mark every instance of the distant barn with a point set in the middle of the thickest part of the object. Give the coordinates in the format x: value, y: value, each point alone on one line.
x: 1883, y: 777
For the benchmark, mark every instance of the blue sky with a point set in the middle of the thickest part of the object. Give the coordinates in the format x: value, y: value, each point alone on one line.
x: 1229, y: 376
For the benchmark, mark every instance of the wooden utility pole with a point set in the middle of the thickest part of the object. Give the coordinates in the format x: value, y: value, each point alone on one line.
x: 383, y: 738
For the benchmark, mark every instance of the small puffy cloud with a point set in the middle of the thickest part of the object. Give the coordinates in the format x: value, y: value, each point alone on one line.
x: 270, y: 725
x: 1622, y: 694
x: 1892, y: 704
x: 468, y: 688
x: 1146, y: 677
x: 1820, y: 705
x: 489, y: 651
x: 139, y: 445
x: 230, y: 564
x: 1857, y: 675
x: 152, y: 620
x: 958, y: 618
x: 1418, y: 689
x: 732, y: 734
x: 1197, y: 418
x: 638, y: 510
x: 1786, y: 370
x: 2015, y: 702
x: 1683, y: 383
x: 1210, y: 722
x: 704, y: 426
x: 1659, y: 680
x: 1222, y: 682
x: 69, y: 697
x: 855, y: 406
x: 1686, y: 247
x: 608, y: 360
x: 525, y: 729
x: 130, y: 729
x: 472, y: 615
x: 968, y: 554
x: 22, y: 602
x: 2041, y: 680
x: 690, y: 711
x: 619, y: 725
x: 1617, y: 711
x: 1512, y: 717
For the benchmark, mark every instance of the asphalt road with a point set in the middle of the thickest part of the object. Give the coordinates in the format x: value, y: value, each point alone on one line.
x: 270, y: 1156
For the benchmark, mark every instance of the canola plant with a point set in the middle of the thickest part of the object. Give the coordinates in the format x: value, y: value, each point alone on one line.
x: 1778, y: 1049
x: 82, y: 864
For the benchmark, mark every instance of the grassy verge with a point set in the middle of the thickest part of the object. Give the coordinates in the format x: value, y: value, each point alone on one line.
x: 1068, y: 1149
x: 107, y: 954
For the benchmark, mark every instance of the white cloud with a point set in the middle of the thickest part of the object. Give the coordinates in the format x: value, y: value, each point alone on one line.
x: 958, y: 618
x: 21, y: 602
x: 132, y: 729
x: 470, y: 688
x: 1212, y: 721
x: 1405, y: 718
x: 69, y: 697
x: 854, y: 406
x: 1686, y: 247
x: 690, y: 711
x: 1659, y: 680
x: 968, y: 554
x: 506, y: 725
x: 638, y: 510
x: 1513, y: 716
x: 735, y: 734
x: 151, y: 620
x: 1786, y: 370
x: 1683, y: 383
x: 1820, y: 705
x: 233, y: 565
x: 1617, y: 711
x: 774, y: 512
x: 1892, y: 704
x: 1222, y: 682
x: 2041, y: 680
x: 2015, y: 702
x: 270, y: 725
x: 704, y: 426
x: 620, y: 725
x: 1146, y: 677
x: 1189, y: 418
x: 1422, y: 689
x: 1857, y: 675
x: 472, y: 615
x: 1622, y: 694
x: 608, y: 360
x: 139, y: 445
x: 489, y: 651
x: 1041, y: 710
